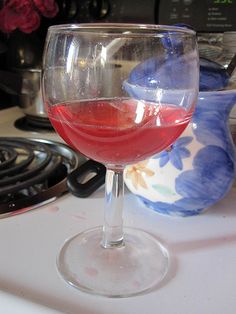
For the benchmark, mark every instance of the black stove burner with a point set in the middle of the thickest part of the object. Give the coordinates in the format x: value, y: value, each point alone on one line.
x: 32, y: 171
x: 34, y: 124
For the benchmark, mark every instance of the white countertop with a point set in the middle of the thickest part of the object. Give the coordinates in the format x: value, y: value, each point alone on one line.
x: 202, y: 276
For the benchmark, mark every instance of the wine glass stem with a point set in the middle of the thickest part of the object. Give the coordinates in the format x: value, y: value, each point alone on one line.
x: 113, y: 212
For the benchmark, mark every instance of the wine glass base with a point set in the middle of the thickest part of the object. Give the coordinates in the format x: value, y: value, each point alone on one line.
x: 137, y: 267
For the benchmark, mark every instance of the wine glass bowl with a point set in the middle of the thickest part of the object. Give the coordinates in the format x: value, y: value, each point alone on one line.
x: 118, y: 93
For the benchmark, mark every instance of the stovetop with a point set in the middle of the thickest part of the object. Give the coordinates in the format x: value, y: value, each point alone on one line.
x: 203, y: 254
x: 33, y: 172
x: 8, y: 119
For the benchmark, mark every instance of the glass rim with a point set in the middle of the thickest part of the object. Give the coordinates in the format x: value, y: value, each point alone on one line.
x: 119, y: 28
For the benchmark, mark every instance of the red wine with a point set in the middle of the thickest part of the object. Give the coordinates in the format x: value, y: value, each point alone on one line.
x: 118, y: 131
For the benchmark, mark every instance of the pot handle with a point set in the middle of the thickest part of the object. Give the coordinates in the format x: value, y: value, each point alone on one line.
x: 75, y: 179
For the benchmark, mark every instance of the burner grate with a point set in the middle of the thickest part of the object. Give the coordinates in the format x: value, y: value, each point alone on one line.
x: 33, y: 171
x: 34, y: 124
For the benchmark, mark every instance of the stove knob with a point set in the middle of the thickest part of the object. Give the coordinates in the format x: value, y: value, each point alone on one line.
x: 99, y: 8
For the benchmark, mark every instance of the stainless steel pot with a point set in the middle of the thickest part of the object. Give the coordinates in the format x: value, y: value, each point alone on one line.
x: 30, y: 98
x: 25, y: 84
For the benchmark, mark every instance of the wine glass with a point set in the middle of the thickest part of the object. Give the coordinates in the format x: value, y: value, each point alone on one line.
x: 118, y: 93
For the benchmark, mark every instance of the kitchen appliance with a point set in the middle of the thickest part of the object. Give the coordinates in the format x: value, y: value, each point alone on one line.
x: 33, y: 172
x: 36, y: 167
x: 205, y: 16
x: 20, y: 74
x: 24, y: 86
x: 34, y: 123
x: 210, y: 18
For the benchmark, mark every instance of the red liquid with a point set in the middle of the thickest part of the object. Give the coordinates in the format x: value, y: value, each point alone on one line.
x: 118, y: 131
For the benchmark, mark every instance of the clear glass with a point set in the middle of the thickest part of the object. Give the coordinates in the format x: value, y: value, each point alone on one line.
x: 118, y: 93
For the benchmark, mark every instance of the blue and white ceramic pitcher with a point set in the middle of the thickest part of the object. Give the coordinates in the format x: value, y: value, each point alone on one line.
x: 198, y: 170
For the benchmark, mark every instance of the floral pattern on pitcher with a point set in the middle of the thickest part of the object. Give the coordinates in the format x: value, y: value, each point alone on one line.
x: 198, y: 170
x: 136, y: 174
x: 175, y: 153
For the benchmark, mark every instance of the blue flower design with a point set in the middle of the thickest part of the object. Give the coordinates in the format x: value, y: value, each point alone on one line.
x: 208, y: 182
x: 175, y: 153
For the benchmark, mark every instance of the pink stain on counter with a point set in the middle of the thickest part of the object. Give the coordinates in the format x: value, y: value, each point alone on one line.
x: 53, y: 209
x: 79, y: 217
x: 91, y: 271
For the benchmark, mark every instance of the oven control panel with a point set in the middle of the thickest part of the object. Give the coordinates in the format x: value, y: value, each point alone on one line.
x: 203, y: 15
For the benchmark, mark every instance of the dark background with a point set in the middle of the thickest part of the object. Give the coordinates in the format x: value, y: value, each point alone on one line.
x: 203, y: 15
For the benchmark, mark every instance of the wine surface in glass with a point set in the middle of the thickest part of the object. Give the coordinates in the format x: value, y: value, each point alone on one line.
x: 118, y: 131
